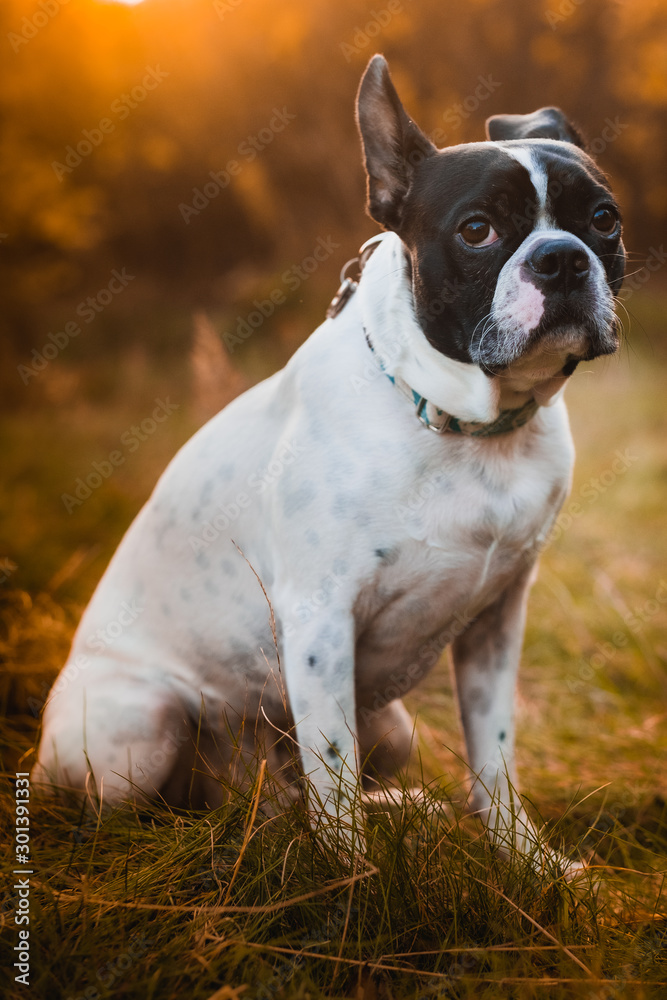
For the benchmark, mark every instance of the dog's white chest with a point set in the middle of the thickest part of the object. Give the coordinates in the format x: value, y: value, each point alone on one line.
x: 463, y: 531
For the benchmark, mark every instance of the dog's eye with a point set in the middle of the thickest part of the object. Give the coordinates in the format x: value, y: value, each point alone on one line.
x: 478, y: 233
x: 605, y: 221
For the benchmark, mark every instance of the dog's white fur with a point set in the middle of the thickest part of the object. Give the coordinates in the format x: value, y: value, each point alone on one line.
x: 377, y: 541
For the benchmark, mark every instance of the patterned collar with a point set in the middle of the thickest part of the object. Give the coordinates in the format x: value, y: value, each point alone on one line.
x: 440, y: 422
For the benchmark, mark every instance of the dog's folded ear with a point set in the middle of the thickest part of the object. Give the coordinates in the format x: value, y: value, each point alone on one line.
x: 545, y: 123
x: 393, y: 144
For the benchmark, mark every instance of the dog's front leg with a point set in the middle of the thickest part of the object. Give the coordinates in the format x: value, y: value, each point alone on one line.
x: 486, y: 660
x: 318, y: 663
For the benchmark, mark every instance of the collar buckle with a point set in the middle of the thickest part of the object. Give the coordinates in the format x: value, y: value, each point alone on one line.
x: 342, y: 296
x: 422, y: 416
x: 347, y: 285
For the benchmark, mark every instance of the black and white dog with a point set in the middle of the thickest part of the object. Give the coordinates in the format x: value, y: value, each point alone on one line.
x: 391, y: 488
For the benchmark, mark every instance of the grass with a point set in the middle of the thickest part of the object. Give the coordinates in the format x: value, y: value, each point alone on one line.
x: 205, y: 905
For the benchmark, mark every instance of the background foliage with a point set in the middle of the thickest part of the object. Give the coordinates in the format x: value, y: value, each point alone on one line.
x: 229, y: 65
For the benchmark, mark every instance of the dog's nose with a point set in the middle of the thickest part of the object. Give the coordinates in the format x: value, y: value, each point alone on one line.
x: 559, y: 265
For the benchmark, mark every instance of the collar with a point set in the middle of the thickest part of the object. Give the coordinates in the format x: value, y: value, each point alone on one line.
x: 448, y: 395
x: 440, y: 422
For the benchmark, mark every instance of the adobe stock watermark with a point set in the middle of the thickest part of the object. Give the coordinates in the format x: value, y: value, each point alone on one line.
x: 291, y: 279
x: 248, y: 150
x: 462, y: 966
x: 375, y: 368
x: 121, y: 108
x: 453, y: 116
x: 612, y: 128
x: 523, y: 221
x: 98, y: 641
x: 22, y: 884
x: 457, y: 113
x: 87, y: 310
x: 256, y: 484
x: 591, y: 491
x: 170, y: 746
x: 109, y: 974
x: 312, y: 604
x: 636, y: 620
x: 657, y: 257
x: 7, y: 567
x: 365, y: 34
x: 45, y: 11
x: 564, y: 11
x: 307, y: 945
x: 400, y: 682
x: 131, y: 439
x: 224, y: 7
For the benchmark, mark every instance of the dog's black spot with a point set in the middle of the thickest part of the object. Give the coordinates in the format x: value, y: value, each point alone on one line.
x: 502, y: 736
x: 479, y: 700
x: 299, y: 498
x: 206, y: 493
x: 387, y: 556
x: 228, y: 568
x: 343, y: 506
x: 339, y: 567
x: 226, y: 471
x: 211, y: 587
x: 333, y: 750
x: 330, y: 637
x: 312, y: 661
x: 482, y: 477
x: 164, y: 527
x: 203, y: 561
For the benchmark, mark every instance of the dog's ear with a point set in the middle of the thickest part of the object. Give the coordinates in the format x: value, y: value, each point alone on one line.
x: 393, y: 145
x: 545, y: 123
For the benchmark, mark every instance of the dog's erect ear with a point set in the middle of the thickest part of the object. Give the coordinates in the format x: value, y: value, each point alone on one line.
x: 393, y: 145
x: 546, y: 123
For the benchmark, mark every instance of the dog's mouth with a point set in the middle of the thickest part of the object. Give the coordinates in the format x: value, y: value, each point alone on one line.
x: 549, y: 358
x: 584, y: 332
x: 539, y: 374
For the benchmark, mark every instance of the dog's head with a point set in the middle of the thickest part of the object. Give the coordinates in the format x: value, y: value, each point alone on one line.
x: 514, y: 243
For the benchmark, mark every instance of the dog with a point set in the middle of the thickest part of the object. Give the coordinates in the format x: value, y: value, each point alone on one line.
x: 312, y: 550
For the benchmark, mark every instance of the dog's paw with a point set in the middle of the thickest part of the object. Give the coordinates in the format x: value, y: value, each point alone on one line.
x: 549, y: 865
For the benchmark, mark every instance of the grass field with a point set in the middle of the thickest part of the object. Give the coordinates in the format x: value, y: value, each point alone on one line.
x: 163, y: 905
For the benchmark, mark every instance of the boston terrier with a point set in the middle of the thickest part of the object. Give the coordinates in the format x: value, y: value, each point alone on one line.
x: 310, y: 553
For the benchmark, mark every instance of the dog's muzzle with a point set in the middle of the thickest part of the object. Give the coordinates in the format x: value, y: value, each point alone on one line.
x: 552, y: 290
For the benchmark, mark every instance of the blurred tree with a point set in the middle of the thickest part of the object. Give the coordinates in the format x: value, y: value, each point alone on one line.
x: 205, y: 145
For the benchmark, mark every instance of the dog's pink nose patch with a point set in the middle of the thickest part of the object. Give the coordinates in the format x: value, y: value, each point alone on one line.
x: 528, y: 307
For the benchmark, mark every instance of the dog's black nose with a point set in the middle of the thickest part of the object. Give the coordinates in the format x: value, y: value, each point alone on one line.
x: 559, y: 264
